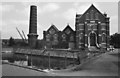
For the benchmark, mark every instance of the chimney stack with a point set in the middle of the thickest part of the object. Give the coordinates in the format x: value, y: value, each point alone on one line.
x: 32, y: 36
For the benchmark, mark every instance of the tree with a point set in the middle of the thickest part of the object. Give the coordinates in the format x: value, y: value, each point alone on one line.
x: 115, y: 40
x: 11, y: 41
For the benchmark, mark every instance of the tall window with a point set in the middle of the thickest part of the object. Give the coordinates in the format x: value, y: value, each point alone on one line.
x: 55, y: 37
x: 89, y: 27
x: 71, y: 38
x: 48, y: 37
x: 80, y: 37
x: 96, y: 16
x: 104, y: 37
x: 87, y: 16
x: 92, y: 14
x: 63, y: 37
x: 94, y: 27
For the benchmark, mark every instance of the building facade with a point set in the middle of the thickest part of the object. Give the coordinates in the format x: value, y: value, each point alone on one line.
x: 55, y: 38
x: 91, y: 31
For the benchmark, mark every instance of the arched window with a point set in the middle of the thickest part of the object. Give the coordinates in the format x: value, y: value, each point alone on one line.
x: 104, y: 37
x: 87, y: 16
x: 89, y: 27
x: 71, y: 38
x: 63, y: 37
x: 55, y: 37
x: 80, y: 37
x: 48, y: 37
x: 51, y: 31
x: 92, y: 14
x: 92, y: 39
x: 96, y: 16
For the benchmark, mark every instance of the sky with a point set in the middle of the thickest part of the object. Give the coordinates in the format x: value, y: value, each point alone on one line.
x: 16, y: 14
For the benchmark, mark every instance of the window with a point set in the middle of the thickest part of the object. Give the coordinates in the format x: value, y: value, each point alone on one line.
x: 51, y: 31
x: 94, y: 27
x: 55, y: 37
x: 63, y: 37
x: 97, y: 16
x: 71, y: 38
x: 80, y: 37
x: 87, y: 16
x: 48, y: 37
x: 89, y: 27
x: 103, y: 37
x: 67, y: 31
x: 92, y: 14
x: 81, y: 27
x: 103, y: 27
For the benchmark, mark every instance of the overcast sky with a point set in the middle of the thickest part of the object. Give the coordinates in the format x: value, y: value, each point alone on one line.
x: 16, y: 14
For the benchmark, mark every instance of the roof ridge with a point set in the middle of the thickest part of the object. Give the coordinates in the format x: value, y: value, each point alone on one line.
x: 92, y: 5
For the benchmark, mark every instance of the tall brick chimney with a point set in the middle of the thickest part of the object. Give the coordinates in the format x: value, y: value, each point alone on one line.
x: 32, y: 36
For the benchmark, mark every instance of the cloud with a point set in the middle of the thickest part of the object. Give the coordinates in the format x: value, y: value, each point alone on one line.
x: 69, y: 14
x: 10, y: 24
x: 50, y: 7
x: 5, y: 8
x: 10, y: 28
x: 82, y: 8
x: 113, y: 24
x: 77, y: 8
x: 115, y: 17
x: 41, y: 9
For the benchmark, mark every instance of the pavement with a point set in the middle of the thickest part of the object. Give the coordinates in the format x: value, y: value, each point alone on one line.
x: 105, y: 64
x: 10, y: 70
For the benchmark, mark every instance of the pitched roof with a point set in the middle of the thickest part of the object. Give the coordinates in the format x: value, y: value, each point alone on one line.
x: 54, y: 27
x: 92, y: 6
x: 68, y: 27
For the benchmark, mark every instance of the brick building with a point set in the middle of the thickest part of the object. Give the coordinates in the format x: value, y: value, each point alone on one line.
x: 91, y: 31
x: 55, y: 38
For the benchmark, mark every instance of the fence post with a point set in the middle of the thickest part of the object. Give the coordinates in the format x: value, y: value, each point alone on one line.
x: 65, y: 59
x: 73, y: 59
x: 49, y: 60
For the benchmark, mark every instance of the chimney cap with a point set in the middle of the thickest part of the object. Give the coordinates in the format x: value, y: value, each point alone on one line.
x: 33, y: 6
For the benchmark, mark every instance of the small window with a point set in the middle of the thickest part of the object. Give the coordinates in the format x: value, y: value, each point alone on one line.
x: 63, y: 37
x: 103, y: 27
